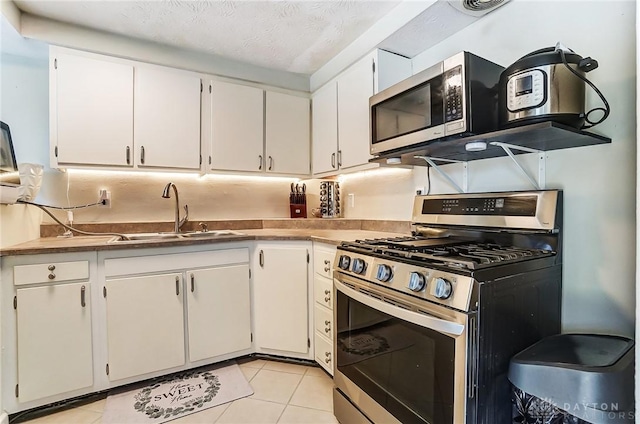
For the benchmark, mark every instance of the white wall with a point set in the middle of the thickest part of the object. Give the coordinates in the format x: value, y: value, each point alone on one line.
x: 598, y: 182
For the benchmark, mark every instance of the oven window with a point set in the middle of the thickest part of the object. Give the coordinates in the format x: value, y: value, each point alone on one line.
x: 410, y: 111
x: 407, y: 369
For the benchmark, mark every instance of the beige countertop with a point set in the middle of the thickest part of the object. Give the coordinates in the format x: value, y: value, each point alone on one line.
x: 92, y: 243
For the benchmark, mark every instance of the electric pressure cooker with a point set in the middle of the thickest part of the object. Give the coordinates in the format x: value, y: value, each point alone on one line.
x: 548, y: 85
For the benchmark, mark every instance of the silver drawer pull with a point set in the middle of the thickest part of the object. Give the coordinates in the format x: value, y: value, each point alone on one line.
x: 327, y: 354
x: 326, y: 269
x: 327, y: 299
x: 327, y: 330
x: 327, y: 261
x: 82, y: 296
x: 327, y: 360
x: 327, y: 322
x: 51, y: 267
x: 52, y: 276
x: 327, y: 292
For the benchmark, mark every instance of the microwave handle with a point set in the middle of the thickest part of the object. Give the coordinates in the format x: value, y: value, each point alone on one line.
x: 436, y: 324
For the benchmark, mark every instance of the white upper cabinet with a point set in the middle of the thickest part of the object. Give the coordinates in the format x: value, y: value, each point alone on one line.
x: 325, y: 129
x: 341, y: 128
x: 237, y: 127
x: 287, y: 134
x: 91, y: 111
x: 167, y: 119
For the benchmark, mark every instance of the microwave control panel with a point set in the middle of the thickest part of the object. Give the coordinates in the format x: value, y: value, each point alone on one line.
x: 453, y: 94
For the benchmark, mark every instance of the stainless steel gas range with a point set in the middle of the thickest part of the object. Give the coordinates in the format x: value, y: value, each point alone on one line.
x: 426, y: 324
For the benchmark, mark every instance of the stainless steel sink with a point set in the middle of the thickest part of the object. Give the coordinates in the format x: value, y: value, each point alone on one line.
x: 170, y: 236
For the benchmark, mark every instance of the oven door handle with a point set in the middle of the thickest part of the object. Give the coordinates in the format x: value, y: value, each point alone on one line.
x: 423, y: 320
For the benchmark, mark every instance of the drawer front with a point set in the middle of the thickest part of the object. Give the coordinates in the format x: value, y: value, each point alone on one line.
x: 50, y: 272
x: 323, y: 262
x: 324, y: 353
x: 323, y: 318
x: 322, y: 289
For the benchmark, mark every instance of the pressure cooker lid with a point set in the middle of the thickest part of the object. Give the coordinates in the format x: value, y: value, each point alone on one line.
x: 542, y: 57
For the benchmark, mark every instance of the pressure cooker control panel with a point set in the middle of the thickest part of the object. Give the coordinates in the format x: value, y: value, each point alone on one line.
x: 527, y: 90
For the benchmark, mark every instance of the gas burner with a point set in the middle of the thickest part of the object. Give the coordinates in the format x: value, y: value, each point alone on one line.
x: 452, y: 253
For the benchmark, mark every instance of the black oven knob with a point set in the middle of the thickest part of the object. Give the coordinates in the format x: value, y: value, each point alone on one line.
x: 344, y: 262
x: 443, y: 288
x: 416, y: 282
x: 358, y: 266
x: 384, y: 273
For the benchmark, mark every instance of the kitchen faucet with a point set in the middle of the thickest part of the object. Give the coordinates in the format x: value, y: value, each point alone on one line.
x: 179, y: 222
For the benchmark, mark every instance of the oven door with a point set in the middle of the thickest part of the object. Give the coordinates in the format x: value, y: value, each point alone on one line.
x: 398, y: 360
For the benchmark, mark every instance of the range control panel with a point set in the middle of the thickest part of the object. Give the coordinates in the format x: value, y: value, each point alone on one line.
x: 502, y: 206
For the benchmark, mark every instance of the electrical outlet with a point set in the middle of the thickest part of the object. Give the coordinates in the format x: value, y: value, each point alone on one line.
x: 352, y: 199
x: 105, y: 199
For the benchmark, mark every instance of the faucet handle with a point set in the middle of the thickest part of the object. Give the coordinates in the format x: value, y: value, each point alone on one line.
x: 186, y: 216
x: 204, y: 226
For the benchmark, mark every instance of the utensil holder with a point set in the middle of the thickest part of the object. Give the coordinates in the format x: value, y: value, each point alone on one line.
x: 330, y: 199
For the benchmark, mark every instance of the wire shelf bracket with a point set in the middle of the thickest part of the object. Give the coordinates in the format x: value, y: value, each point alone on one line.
x: 465, y: 171
x: 538, y: 183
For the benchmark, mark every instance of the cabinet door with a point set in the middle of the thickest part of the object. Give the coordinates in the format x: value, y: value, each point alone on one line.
x: 287, y: 134
x: 54, y: 340
x: 354, y: 89
x: 92, y: 111
x: 280, y: 299
x: 237, y: 128
x: 219, y: 311
x: 167, y: 119
x: 145, y: 325
x: 325, y: 129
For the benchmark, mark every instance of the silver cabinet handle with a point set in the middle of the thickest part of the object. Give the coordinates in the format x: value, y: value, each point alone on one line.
x: 333, y: 160
x: 270, y: 163
x: 327, y: 299
x: 52, y: 276
x: 51, y: 267
x: 327, y: 261
x: 327, y: 292
x: 193, y: 283
x: 327, y: 322
x: 260, y: 166
x: 327, y: 359
x: 177, y: 286
x: 327, y: 330
x: 262, y: 259
x: 128, y: 155
x: 82, y: 296
x: 326, y: 269
x: 327, y: 354
x: 339, y: 157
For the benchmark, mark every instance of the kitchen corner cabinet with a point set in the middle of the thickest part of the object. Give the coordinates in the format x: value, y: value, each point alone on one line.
x: 257, y: 131
x: 47, y: 328
x: 108, y: 112
x: 340, y: 130
x: 323, y: 257
x: 148, y: 297
x: 281, y: 299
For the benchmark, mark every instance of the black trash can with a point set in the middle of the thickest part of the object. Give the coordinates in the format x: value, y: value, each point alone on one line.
x: 574, y: 379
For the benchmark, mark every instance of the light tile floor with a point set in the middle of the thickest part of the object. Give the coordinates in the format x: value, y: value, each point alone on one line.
x: 283, y: 393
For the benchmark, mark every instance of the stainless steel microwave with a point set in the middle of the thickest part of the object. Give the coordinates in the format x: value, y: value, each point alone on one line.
x: 456, y: 97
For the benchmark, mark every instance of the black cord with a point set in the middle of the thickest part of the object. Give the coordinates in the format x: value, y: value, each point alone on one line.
x: 428, y: 180
x: 61, y: 207
x: 606, y: 109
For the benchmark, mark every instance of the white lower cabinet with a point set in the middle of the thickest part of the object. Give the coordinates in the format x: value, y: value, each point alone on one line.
x: 54, y: 340
x: 145, y: 325
x: 219, y: 311
x: 145, y: 314
x: 281, y: 298
x: 324, y: 255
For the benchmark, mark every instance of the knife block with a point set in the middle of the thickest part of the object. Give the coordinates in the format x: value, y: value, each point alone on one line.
x: 298, y: 210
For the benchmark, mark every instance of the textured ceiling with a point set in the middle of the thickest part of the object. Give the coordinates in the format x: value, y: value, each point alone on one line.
x: 294, y: 36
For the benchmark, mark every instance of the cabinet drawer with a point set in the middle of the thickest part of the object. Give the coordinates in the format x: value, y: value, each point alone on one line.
x: 50, y: 272
x: 322, y: 291
x: 324, y: 352
x: 323, y: 262
x: 323, y: 318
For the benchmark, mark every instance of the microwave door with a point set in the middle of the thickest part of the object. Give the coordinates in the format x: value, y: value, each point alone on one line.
x: 410, y: 117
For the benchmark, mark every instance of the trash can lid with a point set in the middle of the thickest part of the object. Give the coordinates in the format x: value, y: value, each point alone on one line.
x: 576, y: 350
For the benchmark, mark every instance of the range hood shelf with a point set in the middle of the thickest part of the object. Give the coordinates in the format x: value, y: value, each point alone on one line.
x: 542, y: 136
